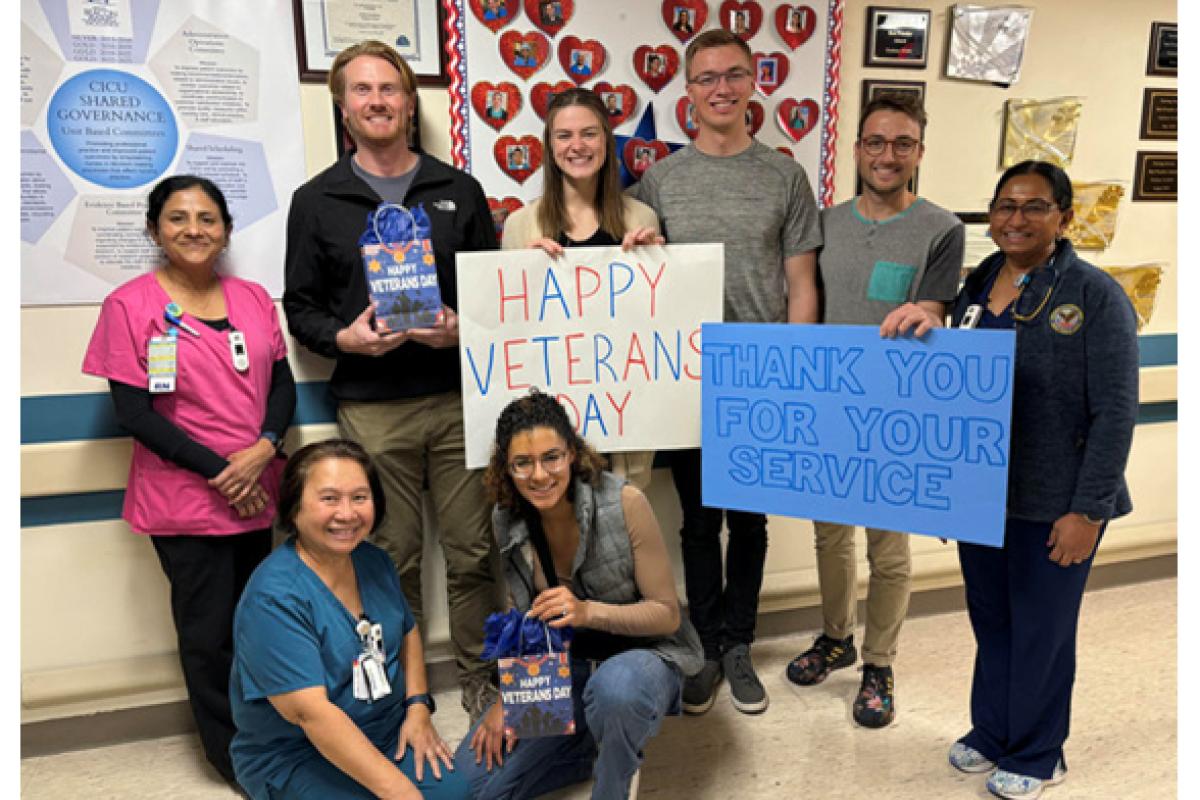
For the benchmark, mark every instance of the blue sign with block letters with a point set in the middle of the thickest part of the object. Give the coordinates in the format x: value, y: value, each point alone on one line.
x: 835, y: 423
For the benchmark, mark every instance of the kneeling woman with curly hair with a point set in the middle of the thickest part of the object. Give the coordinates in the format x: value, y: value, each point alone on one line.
x: 581, y: 547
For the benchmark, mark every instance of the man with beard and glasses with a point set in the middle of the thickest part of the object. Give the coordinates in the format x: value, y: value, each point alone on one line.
x: 891, y: 259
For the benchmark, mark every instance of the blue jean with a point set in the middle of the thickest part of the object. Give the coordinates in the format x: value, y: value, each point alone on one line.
x: 619, y: 706
x: 318, y: 779
x: 1024, y: 611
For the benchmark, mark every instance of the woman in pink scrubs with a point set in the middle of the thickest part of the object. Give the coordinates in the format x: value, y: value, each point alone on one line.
x: 198, y: 371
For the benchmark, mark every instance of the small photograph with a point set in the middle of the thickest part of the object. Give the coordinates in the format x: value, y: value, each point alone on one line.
x: 517, y: 156
x: 581, y: 62
x: 797, y: 19
x: 749, y: 118
x: 689, y: 118
x: 643, y: 159
x: 613, y: 103
x: 685, y: 20
x: 655, y: 66
x: 767, y: 71
x: 497, y: 105
x: 494, y: 9
x: 739, y: 22
x: 523, y: 55
x: 550, y: 12
x: 798, y: 118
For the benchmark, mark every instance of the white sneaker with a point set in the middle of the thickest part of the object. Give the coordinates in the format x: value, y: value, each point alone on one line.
x: 1012, y: 786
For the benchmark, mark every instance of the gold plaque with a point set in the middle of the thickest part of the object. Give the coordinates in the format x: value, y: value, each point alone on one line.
x: 1041, y: 129
x: 1095, y: 221
x: 1141, y: 286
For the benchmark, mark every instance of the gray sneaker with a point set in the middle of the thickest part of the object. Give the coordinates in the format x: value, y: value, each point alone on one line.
x: 700, y: 690
x: 745, y: 689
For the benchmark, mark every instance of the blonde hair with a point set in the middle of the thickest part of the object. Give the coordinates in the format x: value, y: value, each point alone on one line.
x: 371, y: 47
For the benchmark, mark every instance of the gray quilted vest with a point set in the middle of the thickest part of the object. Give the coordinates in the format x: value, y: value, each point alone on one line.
x: 603, y: 567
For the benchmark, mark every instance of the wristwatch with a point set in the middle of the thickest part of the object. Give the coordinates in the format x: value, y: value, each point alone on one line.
x: 423, y: 698
x: 272, y: 437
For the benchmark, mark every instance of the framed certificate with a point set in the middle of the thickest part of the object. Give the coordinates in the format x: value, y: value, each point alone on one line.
x: 897, y: 37
x: 1160, y: 114
x: 414, y: 27
x: 1164, y: 49
x: 874, y: 88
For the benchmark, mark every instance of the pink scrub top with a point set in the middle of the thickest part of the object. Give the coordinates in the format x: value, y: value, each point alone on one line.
x: 213, y: 403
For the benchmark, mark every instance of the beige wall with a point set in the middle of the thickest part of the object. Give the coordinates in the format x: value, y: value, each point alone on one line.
x: 103, y: 585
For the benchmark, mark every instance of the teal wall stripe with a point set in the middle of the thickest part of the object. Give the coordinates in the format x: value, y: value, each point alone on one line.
x: 65, y: 509
x: 75, y: 417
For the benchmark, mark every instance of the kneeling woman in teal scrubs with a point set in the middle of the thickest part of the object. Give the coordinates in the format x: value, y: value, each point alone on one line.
x: 329, y: 690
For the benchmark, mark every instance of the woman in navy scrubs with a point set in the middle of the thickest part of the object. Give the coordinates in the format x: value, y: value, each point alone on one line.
x: 1074, y: 408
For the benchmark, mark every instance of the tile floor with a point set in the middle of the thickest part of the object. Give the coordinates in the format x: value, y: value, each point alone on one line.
x: 1123, y: 742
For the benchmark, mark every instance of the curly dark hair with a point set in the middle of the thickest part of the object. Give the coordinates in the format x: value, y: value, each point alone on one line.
x: 536, y: 410
x: 295, y: 475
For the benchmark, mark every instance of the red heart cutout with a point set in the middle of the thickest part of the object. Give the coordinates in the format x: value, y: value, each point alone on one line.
x: 787, y: 151
x: 770, y: 71
x: 695, y: 14
x: 541, y: 94
x: 797, y: 118
x: 755, y: 115
x: 685, y: 114
x: 525, y: 47
x: 501, y: 210
x: 640, y: 155
x: 665, y: 61
x: 495, y: 14
x: 582, y: 59
x: 550, y: 15
x: 748, y: 19
x: 519, y: 167
x: 623, y: 106
x: 795, y: 24
x: 484, y: 100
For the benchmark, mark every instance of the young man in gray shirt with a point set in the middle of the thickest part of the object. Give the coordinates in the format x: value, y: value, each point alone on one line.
x: 726, y: 187
x: 891, y: 259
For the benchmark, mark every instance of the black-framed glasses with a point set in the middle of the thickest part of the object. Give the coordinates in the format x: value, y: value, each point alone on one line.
x: 553, y: 462
x: 735, y: 76
x: 902, y: 145
x: 1034, y: 294
x: 1034, y: 210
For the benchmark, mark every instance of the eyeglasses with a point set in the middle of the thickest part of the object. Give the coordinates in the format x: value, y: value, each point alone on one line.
x: 1034, y: 210
x: 901, y: 146
x: 735, y: 76
x: 1035, y: 294
x: 553, y: 462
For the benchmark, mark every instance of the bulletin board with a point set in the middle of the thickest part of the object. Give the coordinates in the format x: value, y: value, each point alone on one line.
x: 508, y: 56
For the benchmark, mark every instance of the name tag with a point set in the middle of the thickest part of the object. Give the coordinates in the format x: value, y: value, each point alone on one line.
x: 162, y: 364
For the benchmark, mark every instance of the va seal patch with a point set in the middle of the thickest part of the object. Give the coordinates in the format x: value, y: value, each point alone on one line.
x: 1066, y: 319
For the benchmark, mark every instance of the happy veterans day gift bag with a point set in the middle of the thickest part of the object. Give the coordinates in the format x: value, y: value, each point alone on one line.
x: 400, y: 268
x: 535, y: 675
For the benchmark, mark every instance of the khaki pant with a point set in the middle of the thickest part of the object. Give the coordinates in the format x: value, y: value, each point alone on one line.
x: 887, y: 593
x: 418, y: 442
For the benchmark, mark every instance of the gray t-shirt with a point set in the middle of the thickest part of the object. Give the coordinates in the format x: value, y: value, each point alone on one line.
x: 758, y: 203
x: 870, y: 268
x: 389, y: 189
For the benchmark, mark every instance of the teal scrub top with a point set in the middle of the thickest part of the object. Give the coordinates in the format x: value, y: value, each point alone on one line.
x: 291, y: 632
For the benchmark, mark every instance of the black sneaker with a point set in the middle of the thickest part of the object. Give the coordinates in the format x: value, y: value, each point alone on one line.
x: 745, y: 689
x: 827, y: 654
x: 875, y: 705
x: 700, y: 690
